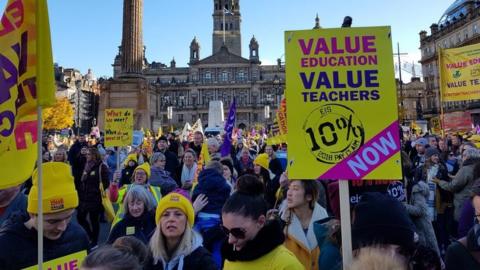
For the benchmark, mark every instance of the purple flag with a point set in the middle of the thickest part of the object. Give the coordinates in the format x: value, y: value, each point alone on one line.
x: 227, y: 140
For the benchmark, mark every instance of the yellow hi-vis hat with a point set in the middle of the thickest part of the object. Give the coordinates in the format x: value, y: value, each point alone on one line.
x: 59, y: 191
x: 145, y: 167
x: 262, y: 161
x: 175, y: 200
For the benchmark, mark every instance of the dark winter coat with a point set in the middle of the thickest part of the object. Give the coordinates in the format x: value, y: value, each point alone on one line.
x: 161, y: 178
x: 271, y: 188
x: 18, y: 244
x: 77, y: 160
x: 196, y: 148
x: 198, y: 259
x: 89, y: 195
x: 418, y: 211
x: 141, y: 228
x: 215, y: 187
x: 127, y: 173
x: 171, y: 163
x: 459, y: 256
x: 17, y: 205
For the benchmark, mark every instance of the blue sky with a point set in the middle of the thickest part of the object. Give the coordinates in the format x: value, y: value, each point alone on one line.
x: 87, y: 33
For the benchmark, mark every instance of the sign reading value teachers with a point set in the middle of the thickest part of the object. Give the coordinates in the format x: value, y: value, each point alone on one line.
x: 342, y: 104
x: 118, y: 127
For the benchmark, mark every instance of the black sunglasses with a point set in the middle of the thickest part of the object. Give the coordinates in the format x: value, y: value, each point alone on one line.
x: 238, y: 233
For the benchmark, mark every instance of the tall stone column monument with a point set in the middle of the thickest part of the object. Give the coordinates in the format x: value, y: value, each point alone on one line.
x: 129, y: 88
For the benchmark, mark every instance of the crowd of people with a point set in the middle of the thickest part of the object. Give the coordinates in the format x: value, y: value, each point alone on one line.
x: 240, y: 210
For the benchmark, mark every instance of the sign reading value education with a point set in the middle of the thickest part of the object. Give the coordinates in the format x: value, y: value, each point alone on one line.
x: 460, y: 68
x: 342, y: 109
x: 69, y: 262
x: 118, y: 127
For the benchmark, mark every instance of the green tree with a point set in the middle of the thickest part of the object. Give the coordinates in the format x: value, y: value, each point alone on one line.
x: 59, y: 116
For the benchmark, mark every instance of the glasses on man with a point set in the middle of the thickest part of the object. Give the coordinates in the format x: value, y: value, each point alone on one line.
x: 238, y: 233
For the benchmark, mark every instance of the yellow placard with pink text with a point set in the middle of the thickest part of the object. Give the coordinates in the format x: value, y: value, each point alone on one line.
x: 69, y: 262
x: 341, y: 97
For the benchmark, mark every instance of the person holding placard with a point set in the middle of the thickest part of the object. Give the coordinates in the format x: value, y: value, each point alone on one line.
x: 18, y: 235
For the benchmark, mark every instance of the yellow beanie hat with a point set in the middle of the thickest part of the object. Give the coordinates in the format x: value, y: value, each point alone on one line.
x: 146, y: 167
x: 262, y: 161
x: 130, y: 157
x: 175, y: 200
x: 59, y: 191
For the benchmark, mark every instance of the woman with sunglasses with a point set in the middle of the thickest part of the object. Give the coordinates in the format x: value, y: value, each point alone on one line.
x: 465, y: 253
x: 253, y: 242
x: 302, y: 211
x: 174, y: 244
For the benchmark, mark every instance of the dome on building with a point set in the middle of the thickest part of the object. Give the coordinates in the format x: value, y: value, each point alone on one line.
x: 457, y: 10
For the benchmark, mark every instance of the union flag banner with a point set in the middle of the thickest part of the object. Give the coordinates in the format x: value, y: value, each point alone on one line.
x: 26, y: 81
x: 460, y: 73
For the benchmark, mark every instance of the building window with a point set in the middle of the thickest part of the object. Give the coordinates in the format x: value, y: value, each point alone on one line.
x: 444, y: 43
x: 465, y: 34
x: 474, y: 29
x: 180, y: 117
x: 224, y: 76
x: 255, y: 117
x: 241, y: 75
x: 208, y: 76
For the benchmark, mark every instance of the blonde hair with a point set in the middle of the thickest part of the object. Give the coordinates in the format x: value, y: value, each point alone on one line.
x: 158, y: 244
x: 62, y: 151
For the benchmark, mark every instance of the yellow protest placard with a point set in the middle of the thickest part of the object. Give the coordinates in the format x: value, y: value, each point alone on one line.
x: 342, y: 110
x: 69, y: 262
x: 460, y: 73
x: 118, y: 127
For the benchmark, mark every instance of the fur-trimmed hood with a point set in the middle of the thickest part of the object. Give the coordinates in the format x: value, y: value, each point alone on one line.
x: 294, y: 228
x: 421, y: 187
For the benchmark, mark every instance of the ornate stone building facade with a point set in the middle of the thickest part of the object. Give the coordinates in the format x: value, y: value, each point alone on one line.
x: 459, y: 26
x: 149, y: 88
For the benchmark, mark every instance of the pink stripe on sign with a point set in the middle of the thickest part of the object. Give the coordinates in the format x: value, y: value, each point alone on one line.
x: 368, y: 157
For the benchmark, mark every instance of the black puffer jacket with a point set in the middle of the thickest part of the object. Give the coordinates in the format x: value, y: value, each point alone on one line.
x: 141, y: 228
x: 18, y: 244
x: 89, y: 188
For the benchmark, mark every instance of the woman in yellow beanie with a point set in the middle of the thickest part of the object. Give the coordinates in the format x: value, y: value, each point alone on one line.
x: 130, y: 164
x: 271, y: 181
x: 94, y: 173
x: 174, y: 245
x: 141, y: 174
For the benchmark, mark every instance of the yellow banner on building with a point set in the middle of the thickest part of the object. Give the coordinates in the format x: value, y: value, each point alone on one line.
x: 460, y: 73
x: 71, y: 262
x: 26, y: 78
x: 342, y: 104
x: 118, y: 127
